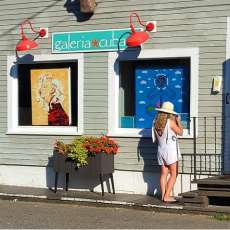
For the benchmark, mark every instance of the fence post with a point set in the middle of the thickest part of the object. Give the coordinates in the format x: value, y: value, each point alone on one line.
x: 194, y: 146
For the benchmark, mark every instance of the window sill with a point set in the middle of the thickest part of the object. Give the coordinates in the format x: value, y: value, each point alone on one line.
x: 144, y: 133
x: 39, y: 130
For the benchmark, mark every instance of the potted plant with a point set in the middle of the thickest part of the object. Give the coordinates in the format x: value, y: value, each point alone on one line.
x: 94, y: 155
x: 81, y: 150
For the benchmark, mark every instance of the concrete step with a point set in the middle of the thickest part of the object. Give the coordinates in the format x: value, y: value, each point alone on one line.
x: 196, y: 200
x: 211, y: 187
x: 193, y: 198
x: 216, y: 180
x: 213, y: 193
x: 190, y: 194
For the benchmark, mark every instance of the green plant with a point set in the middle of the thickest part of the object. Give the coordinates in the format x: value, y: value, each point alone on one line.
x: 222, y: 217
x: 78, y: 153
x: 75, y: 151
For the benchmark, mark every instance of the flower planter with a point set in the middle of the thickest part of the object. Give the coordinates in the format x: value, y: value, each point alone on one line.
x: 99, y: 165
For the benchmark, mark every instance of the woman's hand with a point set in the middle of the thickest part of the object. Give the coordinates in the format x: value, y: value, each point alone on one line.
x: 176, y: 126
x: 178, y: 119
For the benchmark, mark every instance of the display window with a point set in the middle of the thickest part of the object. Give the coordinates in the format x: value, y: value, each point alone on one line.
x: 146, y: 84
x: 48, y: 98
x: 141, y: 84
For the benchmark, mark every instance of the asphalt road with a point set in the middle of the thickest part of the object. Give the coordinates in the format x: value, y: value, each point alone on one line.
x: 19, y: 214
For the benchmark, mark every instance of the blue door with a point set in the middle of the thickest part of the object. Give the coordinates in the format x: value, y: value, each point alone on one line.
x: 227, y: 117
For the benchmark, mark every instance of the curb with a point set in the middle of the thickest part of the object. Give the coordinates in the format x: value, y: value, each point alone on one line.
x: 75, y: 199
x: 90, y: 202
x: 211, y: 211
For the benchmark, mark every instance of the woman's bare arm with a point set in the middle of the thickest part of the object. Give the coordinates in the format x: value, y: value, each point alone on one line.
x: 176, y: 126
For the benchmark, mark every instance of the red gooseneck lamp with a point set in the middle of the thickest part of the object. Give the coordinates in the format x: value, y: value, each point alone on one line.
x: 137, y: 38
x: 25, y: 43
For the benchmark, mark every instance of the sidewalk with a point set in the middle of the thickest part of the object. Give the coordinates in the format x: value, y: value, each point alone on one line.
x: 94, y: 198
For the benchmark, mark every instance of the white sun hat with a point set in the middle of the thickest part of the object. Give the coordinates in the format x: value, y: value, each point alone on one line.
x: 167, y: 107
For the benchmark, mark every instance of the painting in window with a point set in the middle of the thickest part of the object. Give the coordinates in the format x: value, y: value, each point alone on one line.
x: 50, y: 97
x: 146, y: 84
x: 48, y: 94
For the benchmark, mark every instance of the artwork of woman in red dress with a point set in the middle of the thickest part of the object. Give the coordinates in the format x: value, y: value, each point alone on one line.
x: 56, y: 114
x: 52, y: 98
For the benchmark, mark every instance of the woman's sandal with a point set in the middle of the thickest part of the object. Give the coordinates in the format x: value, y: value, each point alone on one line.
x: 171, y: 200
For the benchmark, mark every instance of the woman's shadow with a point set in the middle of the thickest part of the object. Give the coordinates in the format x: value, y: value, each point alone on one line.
x: 73, y: 6
x: 147, y: 152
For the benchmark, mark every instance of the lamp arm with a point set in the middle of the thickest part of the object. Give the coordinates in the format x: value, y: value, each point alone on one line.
x: 21, y: 31
x: 31, y: 27
x: 131, y: 21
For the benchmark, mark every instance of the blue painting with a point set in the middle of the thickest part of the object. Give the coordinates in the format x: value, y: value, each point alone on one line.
x: 153, y: 86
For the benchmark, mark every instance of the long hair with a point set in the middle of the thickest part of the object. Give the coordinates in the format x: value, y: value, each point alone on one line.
x: 160, y: 122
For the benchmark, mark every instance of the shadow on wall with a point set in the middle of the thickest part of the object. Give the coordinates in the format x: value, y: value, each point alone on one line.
x: 28, y: 58
x: 73, y: 6
x: 50, y: 175
x: 127, y: 54
x: 5, y: 33
x: 147, y: 151
x: 80, y: 180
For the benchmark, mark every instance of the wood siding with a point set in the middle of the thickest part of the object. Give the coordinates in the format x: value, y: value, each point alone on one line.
x: 181, y: 24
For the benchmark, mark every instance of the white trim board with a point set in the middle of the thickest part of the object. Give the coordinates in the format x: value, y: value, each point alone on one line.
x: 228, y: 39
x: 113, y: 86
x: 12, y: 100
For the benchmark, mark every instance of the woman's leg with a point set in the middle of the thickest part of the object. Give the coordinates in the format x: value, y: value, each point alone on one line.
x: 163, y: 180
x: 173, y: 168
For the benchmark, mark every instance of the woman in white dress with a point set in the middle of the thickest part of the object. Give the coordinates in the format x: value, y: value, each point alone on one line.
x: 166, y: 127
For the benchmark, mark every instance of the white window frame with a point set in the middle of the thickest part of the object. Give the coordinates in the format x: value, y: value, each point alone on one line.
x: 113, y: 86
x: 228, y: 39
x: 12, y: 101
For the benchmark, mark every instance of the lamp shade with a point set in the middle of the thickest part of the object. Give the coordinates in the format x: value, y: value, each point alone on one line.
x: 137, y: 38
x: 26, y: 44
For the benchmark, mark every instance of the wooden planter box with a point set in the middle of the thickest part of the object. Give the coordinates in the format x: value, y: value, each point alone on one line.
x: 99, y: 165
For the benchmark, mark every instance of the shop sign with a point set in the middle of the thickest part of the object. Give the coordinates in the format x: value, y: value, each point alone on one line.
x: 90, y: 41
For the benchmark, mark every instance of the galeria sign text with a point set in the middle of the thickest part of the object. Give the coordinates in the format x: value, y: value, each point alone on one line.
x: 90, y: 41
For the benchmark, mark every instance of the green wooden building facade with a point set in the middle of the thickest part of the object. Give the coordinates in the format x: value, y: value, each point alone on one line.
x: 195, y: 30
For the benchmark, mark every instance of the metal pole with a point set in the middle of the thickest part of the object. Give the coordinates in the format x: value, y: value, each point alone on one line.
x: 215, y: 144
x: 194, y: 146
x: 205, y: 143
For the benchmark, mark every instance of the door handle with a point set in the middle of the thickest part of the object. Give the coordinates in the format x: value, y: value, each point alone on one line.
x: 226, y: 98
